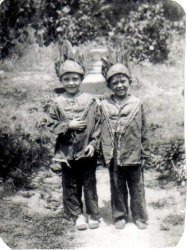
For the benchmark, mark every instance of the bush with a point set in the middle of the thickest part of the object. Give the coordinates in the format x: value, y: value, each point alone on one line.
x: 21, y: 155
x: 170, y: 157
x: 146, y: 25
x: 25, y: 146
x: 146, y: 32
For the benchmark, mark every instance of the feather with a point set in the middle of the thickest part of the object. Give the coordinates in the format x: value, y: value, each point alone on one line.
x: 67, y: 50
x: 105, y: 66
x: 81, y: 59
x: 57, y: 66
x: 117, y: 52
x: 111, y: 55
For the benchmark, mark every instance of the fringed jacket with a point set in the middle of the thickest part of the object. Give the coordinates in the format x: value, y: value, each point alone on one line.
x: 70, y: 145
x: 124, y: 131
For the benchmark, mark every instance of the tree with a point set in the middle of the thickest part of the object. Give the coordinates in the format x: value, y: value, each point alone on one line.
x: 82, y: 21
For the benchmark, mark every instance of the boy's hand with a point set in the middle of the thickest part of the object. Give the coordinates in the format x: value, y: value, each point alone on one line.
x: 77, y: 125
x: 89, y: 151
x: 61, y: 161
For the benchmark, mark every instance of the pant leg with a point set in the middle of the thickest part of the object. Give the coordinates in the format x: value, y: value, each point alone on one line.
x: 119, y: 194
x: 72, y: 192
x: 89, y: 185
x: 137, y: 193
x: 125, y: 195
x: 76, y: 166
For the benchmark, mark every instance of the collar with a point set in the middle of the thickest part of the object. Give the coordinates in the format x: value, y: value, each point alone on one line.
x: 123, y: 103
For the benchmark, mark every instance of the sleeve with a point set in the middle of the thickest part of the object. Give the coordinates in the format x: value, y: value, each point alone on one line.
x: 95, y: 138
x: 56, y: 124
x: 145, y: 136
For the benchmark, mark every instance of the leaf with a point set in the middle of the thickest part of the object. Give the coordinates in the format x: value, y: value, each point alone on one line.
x: 66, y: 10
x: 59, y: 29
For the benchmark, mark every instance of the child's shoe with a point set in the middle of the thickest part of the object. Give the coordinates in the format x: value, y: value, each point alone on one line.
x: 81, y: 222
x: 141, y: 224
x: 120, y: 224
x: 92, y: 223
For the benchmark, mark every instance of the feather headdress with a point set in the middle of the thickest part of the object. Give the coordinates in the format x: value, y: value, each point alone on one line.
x: 116, y: 53
x: 68, y: 52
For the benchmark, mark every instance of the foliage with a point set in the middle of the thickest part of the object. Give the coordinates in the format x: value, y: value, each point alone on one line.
x: 20, y: 155
x: 170, y: 157
x: 146, y: 25
x: 146, y: 30
x: 25, y: 146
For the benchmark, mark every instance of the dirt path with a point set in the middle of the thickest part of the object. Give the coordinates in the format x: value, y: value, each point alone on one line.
x: 162, y: 204
x: 165, y: 204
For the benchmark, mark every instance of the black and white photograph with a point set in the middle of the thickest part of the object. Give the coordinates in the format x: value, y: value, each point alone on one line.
x: 92, y: 124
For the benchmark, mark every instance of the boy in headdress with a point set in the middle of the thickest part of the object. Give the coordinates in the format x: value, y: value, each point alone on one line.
x: 124, y: 144
x: 75, y: 121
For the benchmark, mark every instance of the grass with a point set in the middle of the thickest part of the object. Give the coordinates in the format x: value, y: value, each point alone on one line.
x: 165, y: 202
x: 21, y: 230
x: 160, y: 87
x: 172, y: 221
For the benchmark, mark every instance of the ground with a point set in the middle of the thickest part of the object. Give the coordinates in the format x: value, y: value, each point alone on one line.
x: 36, y: 211
x: 158, y: 234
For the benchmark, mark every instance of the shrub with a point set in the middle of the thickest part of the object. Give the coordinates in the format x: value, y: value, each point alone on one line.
x: 170, y: 157
x: 146, y: 32
x: 25, y: 146
x: 146, y: 25
x: 21, y: 155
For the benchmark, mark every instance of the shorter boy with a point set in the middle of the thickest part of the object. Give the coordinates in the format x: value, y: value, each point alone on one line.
x: 74, y: 119
x: 124, y: 145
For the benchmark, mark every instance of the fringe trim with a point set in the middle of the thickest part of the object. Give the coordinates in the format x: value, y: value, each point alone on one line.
x: 110, y: 131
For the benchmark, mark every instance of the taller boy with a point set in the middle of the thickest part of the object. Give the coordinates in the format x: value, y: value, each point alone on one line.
x: 75, y: 121
x: 124, y: 144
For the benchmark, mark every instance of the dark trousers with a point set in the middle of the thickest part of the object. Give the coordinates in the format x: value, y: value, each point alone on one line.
x: 122, y: 177
x: 80, y: 177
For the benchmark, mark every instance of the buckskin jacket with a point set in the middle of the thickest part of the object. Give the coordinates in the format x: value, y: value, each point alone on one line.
x: 125, y: 123
x: 70, y: 145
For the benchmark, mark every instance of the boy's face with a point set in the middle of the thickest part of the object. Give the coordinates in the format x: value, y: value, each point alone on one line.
x: 119, y: 84
x: 71, y: 82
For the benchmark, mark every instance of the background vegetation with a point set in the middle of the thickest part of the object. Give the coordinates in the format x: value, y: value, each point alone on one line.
x: 31, y: 31
x: 146, y: 24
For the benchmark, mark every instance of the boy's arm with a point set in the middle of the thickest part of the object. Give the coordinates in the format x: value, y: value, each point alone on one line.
x: 95, y: 139
x: 145, y: 136
x: 56, y: 122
